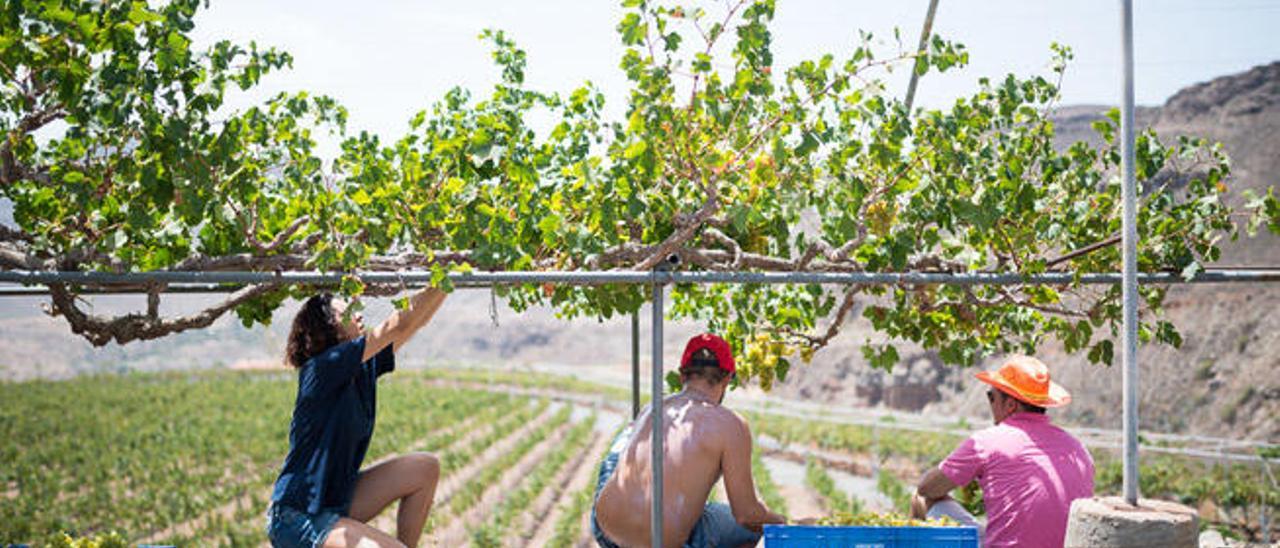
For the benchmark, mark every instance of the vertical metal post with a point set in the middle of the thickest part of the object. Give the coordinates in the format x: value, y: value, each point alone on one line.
x: 1129, y: 289
x: 656, y: 413
x: 924, y: 43
x: 635, y: 364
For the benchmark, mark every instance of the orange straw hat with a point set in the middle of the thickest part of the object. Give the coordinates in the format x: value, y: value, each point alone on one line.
x: 1026, y: 379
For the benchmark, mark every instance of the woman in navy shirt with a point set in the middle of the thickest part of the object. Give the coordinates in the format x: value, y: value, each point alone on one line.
x: 322, y: 498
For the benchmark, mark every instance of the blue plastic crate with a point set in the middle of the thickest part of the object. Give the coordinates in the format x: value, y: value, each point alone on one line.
x: 816, y: 536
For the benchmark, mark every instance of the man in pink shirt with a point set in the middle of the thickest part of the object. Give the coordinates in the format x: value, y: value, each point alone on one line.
x: 1029, y: 469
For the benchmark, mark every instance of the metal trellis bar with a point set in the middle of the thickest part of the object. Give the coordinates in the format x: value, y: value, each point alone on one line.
x: 924, y: 43
x: 211, y: 280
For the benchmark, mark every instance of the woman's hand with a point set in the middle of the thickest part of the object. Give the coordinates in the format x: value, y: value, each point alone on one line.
x: 403, y: 324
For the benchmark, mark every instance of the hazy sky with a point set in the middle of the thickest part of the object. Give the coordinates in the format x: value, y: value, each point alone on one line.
x: 385, y: 60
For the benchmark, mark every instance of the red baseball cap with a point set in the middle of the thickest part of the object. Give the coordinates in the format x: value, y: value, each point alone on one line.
x: 717, y: 346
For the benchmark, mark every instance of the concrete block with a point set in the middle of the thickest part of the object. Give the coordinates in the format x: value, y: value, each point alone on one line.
x: 1112, y: 522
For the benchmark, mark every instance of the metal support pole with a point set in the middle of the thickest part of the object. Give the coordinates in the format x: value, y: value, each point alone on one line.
x: 1129, y: 357
x: 656, y: 414
x: 635, y: 364
x: 924, y: 42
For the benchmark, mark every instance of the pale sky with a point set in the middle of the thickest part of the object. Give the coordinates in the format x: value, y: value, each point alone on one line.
x: 385, y: 59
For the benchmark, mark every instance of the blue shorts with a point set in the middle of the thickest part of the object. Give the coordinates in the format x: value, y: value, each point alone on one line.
x: 716, y: 527
x: 290, y: 528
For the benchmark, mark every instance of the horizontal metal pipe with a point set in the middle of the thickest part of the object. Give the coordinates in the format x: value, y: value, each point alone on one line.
x: 485, y: 279
x: 39, y: 290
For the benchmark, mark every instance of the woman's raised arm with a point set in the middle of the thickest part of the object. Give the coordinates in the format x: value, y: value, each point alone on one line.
x: 401, y: 325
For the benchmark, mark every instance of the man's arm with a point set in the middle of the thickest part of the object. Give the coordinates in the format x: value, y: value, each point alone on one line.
x: 934, y: 486
x: 402, y: 324
x: 738, y: 483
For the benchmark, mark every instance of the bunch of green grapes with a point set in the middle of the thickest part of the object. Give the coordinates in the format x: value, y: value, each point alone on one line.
x: 891, y: 519
x: 762, y: 358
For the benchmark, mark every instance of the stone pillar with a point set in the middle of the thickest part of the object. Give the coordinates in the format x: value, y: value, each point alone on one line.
x: 1112, y: 522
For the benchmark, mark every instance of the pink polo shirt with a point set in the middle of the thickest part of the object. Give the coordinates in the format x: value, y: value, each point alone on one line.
x: 1029, y: 471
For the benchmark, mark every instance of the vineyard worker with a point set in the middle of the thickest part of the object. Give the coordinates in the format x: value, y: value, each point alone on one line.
x: 1029, y: 469
x: 322, y: 498
x: 703, y: 440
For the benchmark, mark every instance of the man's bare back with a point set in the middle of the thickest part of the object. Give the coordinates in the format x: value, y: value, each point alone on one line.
x: 698, y: 434
x: 702, y: 442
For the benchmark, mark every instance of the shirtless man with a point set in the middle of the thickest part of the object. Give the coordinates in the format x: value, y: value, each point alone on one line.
x: 703, y: 440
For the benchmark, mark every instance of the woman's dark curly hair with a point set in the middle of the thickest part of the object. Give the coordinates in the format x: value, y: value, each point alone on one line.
x: 314, y: 329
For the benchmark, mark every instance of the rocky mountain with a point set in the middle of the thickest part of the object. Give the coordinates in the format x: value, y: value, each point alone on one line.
x: 1224, y: 379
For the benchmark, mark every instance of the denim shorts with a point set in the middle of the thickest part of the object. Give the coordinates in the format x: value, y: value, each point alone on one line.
x: 716, y: 526
x: 290, y: 528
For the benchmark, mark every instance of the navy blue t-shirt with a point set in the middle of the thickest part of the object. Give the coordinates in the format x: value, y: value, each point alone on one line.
x: 333, y: 418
